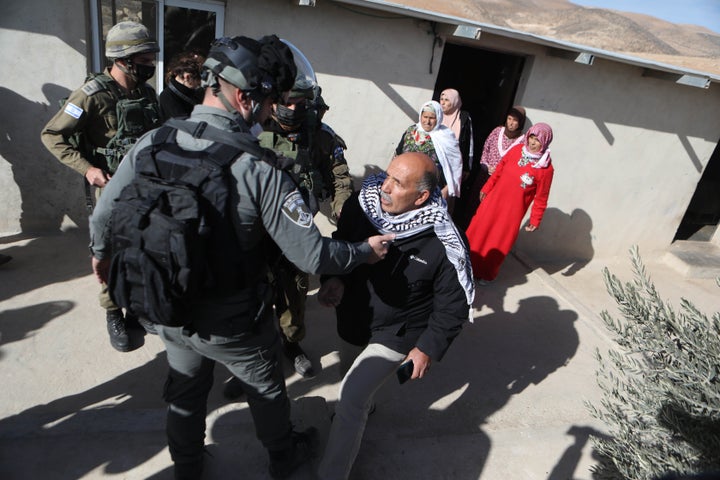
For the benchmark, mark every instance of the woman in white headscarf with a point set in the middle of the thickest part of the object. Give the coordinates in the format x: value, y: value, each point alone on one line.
x: 431, y: 137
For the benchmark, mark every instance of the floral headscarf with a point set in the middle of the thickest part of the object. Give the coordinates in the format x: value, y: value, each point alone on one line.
x: 446, y: 147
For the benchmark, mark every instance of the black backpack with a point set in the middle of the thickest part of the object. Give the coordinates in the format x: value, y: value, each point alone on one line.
x: 173, y: 239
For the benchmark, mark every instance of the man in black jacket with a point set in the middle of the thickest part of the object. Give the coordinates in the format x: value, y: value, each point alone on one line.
x: 408, y: 307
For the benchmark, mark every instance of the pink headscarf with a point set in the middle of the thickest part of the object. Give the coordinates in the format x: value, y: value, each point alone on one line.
x: 451, y: 119
x: 544, y: 134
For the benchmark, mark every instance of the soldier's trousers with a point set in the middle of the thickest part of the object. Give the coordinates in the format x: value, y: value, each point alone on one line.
x: 291, y: 287
x: 104, y: 297
x: 252, y: 358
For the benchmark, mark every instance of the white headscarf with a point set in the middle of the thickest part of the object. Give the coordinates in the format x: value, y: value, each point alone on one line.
x: 446, y: 147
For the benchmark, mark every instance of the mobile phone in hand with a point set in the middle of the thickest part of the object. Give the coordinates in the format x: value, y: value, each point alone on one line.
x: 405, y: 371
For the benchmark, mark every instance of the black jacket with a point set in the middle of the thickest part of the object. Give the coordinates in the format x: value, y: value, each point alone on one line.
x: 411, y: 298
x: 177, y: 100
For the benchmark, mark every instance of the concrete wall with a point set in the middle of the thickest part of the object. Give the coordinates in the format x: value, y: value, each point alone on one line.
x: 374, y: 72
x: 628, y: 150
x: 42, y: 55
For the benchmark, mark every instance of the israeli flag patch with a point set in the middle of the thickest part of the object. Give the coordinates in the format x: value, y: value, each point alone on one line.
x: 73, y: 110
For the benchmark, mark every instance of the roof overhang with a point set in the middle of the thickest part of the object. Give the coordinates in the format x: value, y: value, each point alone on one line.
x: 468, y: 28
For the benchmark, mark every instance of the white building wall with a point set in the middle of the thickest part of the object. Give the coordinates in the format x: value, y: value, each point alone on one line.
x: 374, y: 72
x: 628, y: 150
x: 42, y: 53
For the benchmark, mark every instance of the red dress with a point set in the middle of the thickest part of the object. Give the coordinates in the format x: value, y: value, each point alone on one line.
x: 496, y: 224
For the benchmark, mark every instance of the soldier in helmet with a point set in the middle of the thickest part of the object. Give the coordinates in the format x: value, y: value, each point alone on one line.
x: 99, y: 123
x: 233, y: 325
x: 320, y: 170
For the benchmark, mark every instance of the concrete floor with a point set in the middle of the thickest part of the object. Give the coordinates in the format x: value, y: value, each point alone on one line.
x: 506, y: 403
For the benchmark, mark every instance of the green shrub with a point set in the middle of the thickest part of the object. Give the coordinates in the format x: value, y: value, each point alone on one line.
x: 661, y: 385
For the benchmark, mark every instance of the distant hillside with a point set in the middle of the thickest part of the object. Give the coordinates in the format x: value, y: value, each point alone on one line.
x: 687, y: 46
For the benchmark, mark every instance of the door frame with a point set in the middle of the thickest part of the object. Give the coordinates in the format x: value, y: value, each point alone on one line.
x: 97, y: 59
x: 209, y: 6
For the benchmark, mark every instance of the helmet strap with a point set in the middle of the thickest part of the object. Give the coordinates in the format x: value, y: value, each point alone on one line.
x: 226, y: 103
x: 233, y: 111
x: 122, y: 67
x: 256, y: 107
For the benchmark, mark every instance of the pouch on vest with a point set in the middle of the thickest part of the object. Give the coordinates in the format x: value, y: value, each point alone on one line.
x: 134, y: 117
x: 172, y: 237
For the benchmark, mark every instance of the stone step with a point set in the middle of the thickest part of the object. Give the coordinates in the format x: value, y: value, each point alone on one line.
x: 693, y: 259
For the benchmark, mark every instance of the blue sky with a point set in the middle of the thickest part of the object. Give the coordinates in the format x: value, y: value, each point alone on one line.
x: 693, y: 12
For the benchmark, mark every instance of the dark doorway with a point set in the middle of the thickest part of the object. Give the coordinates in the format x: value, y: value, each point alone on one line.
x: 487, y: 82
x: 703, y: 214
x: 186, y: 30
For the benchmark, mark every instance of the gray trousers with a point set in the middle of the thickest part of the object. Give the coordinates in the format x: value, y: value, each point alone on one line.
x: 371, y: 369
x: 253, y: 358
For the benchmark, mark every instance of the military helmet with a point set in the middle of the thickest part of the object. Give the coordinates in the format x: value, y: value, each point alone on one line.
x: 261, y: 68
x: 126, y: 39
x: 305, y: 80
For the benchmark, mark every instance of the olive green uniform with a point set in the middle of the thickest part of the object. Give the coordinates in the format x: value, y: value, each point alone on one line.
x: 321, y: 172
x: 79, y: 133
x: 91, y: 112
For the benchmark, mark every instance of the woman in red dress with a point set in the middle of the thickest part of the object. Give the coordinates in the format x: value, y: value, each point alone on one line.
x: 522, y: 177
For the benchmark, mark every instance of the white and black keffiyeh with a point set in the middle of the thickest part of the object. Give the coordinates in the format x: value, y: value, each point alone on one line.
x: 433, y: 214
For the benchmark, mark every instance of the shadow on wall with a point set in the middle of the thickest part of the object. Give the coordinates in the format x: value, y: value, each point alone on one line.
x: 59, y: 22
x: 572, y: 232
x: 48, y: 189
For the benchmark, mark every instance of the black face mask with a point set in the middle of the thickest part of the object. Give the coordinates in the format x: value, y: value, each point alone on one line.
x: 290, y: 118
x: 142, y: 73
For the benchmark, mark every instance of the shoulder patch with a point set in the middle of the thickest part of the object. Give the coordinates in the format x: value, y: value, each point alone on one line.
x: 338, y: 154
x: 73, y: 110
x: 92, y: 87
x: 294, y: 208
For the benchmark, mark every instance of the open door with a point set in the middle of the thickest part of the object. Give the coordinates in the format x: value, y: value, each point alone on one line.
x: 487, y: 82
x: 703, y: 214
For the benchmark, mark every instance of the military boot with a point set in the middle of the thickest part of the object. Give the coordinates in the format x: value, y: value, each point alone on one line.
x: 301, y: 362
x: 303, y: 448
x: 116, y: 329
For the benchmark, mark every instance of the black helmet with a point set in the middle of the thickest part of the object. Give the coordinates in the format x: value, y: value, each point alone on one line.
x: 255, y: 67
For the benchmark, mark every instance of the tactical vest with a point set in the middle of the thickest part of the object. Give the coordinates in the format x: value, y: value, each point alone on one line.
x: 299, y: 148
x: 134, y: 117
x: 173, y: 238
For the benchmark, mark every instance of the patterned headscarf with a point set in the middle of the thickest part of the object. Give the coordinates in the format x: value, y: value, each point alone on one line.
x: 544, y: 134
x: 433, y: 214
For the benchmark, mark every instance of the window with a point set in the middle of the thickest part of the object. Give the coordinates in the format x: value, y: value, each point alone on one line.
x: 186, y: 25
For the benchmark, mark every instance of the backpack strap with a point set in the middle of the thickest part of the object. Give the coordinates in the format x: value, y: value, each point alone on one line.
x: 242, y: 140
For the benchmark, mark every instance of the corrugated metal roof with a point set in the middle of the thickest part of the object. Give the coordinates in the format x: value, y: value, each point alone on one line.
x: 685, y: 76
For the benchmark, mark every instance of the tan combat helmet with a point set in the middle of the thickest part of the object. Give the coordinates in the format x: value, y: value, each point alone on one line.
x: 126, y: 39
